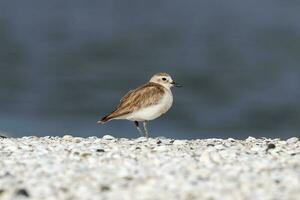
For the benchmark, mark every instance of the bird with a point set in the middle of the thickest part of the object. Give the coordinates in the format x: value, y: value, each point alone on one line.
x: 145, y: 103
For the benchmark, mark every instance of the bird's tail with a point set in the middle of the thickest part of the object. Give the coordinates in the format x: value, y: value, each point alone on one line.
x: 113, y: 115
x: 104, y: 119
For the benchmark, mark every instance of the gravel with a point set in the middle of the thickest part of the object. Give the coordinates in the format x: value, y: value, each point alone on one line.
x: 157, y: 168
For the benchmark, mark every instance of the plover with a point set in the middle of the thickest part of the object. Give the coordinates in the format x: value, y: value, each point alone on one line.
x: 145, y: 103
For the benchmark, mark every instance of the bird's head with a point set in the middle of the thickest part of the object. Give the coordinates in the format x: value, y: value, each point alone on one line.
x: 165, y: 80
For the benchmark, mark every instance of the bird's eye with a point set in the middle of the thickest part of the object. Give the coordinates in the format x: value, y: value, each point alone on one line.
x: 164, y: 79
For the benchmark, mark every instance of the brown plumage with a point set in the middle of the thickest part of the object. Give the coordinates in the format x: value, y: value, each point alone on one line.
x: 141, y: 97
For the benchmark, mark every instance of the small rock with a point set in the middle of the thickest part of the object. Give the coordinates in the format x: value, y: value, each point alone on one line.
x: 171, y: 141
x: 256, y: 148
x: 161, y: 148
x: 77, y: 139
x: 250, y: 138
x: 22, y: 192
x: 228, y: 144
x: 205, y: 157
x: 6, y: 174
x: 270, y: 146
x: 100, y: 150
x: 128, y: 178
x: 86, y: 154
x: 216, y: 157
x: 68, y: 137
x: 104, y: 188
x: 64, y: 189
x: 179, y: 142
x: 108, y: 137
x: 92, y: 138
x: 141, y: 139
x: 161, y: 138
x: 219, y: 147
x: 292, y: 140
x: 294, y: 153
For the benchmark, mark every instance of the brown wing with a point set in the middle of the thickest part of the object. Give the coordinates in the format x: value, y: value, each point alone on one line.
x: 144, y: 96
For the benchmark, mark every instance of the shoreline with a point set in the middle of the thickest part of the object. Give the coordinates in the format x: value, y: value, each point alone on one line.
x: 118, y: 168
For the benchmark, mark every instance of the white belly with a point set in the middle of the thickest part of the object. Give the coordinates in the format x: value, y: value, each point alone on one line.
x: 154, y: 111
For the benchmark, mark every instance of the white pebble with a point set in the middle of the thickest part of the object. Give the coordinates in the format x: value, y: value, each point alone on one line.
x: 250, y: 138
x: 292, y: 140
x: 141, y: 139
x: 162, y: 148
x: 68, y: 137
x: 108, y: 137
x: 179, y: 142
x: 77, y: 139
x: 188, y: 169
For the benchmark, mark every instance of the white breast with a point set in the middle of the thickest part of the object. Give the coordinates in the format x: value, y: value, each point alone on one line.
x: 154, y: 111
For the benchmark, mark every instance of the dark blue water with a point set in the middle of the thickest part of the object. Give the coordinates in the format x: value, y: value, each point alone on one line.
x: 63, y: 65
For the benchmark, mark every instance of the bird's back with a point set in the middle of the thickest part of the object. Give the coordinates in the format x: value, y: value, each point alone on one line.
x: 144, y: 96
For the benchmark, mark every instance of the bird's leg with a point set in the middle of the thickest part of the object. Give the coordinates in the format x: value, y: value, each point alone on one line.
x: 146, y: 130
x: 138, y: 128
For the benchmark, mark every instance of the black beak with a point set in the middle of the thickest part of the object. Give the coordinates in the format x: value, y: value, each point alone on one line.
x: 176, y: 84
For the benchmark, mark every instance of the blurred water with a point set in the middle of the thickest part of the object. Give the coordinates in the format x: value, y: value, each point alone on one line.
x: 63, y: 65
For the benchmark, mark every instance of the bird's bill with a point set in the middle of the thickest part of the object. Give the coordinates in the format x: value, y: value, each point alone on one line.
x: 176, y: 84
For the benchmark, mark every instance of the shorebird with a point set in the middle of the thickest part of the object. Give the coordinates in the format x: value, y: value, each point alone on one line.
x: 145, y: 103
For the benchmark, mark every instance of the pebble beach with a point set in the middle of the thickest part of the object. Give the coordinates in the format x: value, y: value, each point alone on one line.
x: 70, y: 168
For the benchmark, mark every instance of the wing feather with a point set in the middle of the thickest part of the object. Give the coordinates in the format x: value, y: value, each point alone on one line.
x: 144, y: 96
